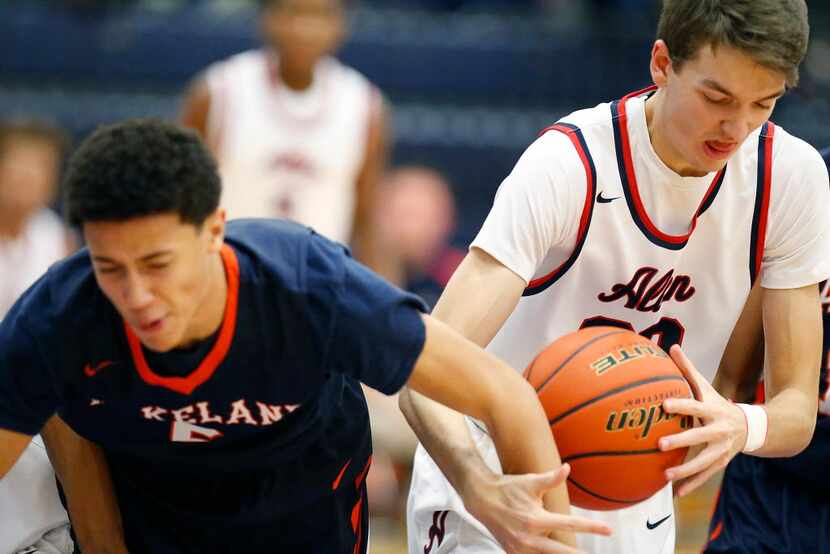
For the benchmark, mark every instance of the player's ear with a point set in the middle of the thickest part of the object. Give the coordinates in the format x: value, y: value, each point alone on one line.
x: 660, y: 63
x: 214, y: 228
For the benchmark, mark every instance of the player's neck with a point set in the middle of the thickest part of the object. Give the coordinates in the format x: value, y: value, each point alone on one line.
x: 11, y: 227
x: 211, y: 312
x: 297, y: 79
x: 656, y: 123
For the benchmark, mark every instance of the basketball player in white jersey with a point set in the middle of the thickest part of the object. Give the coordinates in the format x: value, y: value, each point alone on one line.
x: 655, y: 213
x: 32, y: 238
x: 297, y: 134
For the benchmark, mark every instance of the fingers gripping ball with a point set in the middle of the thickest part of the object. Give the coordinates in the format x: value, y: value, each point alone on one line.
x: 602, y: 389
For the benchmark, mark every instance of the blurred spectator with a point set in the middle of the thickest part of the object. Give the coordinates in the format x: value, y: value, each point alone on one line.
x: 32, y: 237
x: 297, y: 134
x: 415, y: 217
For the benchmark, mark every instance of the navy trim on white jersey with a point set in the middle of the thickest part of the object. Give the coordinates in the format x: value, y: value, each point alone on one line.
x: 573, y: 132
x: 628, y: 178
x: 762, y: 196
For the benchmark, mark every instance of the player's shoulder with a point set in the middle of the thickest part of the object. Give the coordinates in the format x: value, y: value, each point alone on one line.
x: 557, y: 149
x: 65, y: 298
x: 794, y: 157
x: 585, y: 119
x: 48, y: 223
x: 248, y: 62
x: 344, y: 74
x: 277, y: 251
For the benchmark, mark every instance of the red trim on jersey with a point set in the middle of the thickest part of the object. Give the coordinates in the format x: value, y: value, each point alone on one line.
x: 336, y: 482
x: 762, y: 221
x: 640, y: 92
x: 186, y: 385
x: 359, y: 479
x: 716, y: 533
x: 586, y: 208
x: 357, y: 525
x: 634, y: 188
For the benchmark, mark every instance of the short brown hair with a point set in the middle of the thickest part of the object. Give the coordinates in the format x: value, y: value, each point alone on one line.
x: 774, y: 33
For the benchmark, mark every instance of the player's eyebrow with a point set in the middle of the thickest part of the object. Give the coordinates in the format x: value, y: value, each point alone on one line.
x: 720, y: 88
x: 149, y: 257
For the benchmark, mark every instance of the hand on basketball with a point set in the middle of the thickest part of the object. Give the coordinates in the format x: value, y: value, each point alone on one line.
x: 511, y: 507
x: 717, y: 440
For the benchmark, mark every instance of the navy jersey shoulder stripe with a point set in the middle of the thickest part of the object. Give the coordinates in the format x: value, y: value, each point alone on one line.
x: 625, y: 166
x: 578, y: 140
x: 762, y: 194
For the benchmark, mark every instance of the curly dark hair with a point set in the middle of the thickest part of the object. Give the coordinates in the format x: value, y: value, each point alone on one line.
x: 141, y: 167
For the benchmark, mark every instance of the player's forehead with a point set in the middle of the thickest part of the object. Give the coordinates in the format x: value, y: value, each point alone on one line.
x: 139, y: 237
x: 732, y: 71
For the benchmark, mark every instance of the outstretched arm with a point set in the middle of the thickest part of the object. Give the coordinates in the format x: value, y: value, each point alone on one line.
x: 454, y: 372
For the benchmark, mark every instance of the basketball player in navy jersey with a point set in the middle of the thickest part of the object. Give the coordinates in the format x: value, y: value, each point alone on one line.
x: 772, y: 505
x: 657, y: 213
x: 199, y: 382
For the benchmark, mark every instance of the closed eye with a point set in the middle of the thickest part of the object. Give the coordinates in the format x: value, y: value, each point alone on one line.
x: 717, y: 100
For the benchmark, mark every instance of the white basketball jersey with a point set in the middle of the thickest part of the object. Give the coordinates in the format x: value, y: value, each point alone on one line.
x: 29, y: 504
x: 288, y: 154
x: 27, y: 257
x: 687, y: 289
x: 605, y: 262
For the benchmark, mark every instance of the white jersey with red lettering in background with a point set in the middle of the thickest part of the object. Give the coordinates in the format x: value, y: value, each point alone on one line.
x: 289, y: 154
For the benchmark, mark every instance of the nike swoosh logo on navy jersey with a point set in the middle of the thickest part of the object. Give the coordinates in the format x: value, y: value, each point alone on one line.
x: 91, y: 371
x: 656, y: 524
x: 602, y: 200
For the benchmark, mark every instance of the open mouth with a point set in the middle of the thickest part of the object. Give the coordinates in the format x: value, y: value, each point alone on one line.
x: 151, y: 326
x: 718, y: 150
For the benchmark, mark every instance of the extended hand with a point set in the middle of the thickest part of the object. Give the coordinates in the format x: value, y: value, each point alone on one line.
x: 511, y: 507
x: 723, y: 429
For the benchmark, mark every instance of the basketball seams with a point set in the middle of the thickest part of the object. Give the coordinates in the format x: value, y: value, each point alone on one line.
x: 602, y: 453
x: 614, y: 391
x: 571, y: 357
x: 625, y: 503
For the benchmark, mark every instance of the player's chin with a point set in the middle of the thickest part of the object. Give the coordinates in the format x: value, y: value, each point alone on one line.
x: 160, y: 342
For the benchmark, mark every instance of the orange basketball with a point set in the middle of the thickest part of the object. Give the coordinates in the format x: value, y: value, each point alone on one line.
x: 602, y: 389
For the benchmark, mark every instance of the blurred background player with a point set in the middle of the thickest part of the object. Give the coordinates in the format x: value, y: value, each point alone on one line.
x: 772, y: 504
x: 297, y: 134
x: 414, y: 218
x: 32, y: 237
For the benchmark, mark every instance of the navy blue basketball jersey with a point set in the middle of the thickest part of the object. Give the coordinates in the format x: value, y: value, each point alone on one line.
x: 241, y: 429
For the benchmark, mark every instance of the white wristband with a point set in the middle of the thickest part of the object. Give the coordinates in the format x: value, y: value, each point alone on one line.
x: 756, y: 426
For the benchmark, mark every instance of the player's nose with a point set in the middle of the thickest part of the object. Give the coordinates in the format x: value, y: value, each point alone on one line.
x: 736, y: 129
x: 136, y: 294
